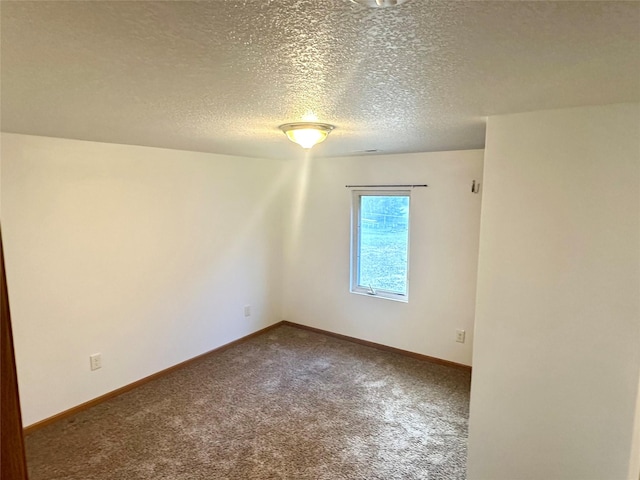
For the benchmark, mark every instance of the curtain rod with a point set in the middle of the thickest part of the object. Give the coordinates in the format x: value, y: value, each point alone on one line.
x: 380, y: 186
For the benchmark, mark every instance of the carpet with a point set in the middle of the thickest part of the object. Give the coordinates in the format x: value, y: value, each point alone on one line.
x: 288, y: 404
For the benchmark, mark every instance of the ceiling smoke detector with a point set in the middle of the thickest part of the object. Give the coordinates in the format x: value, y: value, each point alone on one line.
x: 379, y: 3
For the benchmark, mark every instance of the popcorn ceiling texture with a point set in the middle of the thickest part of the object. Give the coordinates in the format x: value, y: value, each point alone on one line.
x: 288, y: 404
x: 220, y: 76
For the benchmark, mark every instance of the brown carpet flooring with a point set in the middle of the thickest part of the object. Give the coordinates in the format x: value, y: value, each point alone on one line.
x: 288, y: 404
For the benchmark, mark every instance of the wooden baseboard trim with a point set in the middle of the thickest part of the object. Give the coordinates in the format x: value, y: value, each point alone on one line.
x: 380, y: 346
x: 107, y: 396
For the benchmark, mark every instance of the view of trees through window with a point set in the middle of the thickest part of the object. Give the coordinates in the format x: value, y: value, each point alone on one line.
x: 383, y: 242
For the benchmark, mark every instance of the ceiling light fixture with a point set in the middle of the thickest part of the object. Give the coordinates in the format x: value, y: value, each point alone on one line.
x: 379, y: 3
x: 306, y: 134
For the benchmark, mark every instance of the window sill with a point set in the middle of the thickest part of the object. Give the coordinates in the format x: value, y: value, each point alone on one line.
x: 393, y: 298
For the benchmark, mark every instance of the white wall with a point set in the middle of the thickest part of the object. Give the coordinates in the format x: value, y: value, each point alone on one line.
x: 146, y: 255
x: 557, y: 335
x: 444, y: 235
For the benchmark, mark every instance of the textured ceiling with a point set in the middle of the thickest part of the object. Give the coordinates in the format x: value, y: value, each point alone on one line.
x: 220, y: 76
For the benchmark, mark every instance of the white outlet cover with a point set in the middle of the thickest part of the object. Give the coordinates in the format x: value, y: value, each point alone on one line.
x: 95, y: 361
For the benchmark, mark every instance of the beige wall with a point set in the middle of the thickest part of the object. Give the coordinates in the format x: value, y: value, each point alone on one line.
x: 444, y: 231
x: 557, y: 335
x: 634, y: 464
x: 145, y: 255
x: 149, y: 255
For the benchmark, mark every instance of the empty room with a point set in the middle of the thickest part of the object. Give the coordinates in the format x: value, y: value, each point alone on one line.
x: 301, y: 239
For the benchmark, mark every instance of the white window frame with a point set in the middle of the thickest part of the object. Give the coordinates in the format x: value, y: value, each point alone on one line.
x: 355, y: 244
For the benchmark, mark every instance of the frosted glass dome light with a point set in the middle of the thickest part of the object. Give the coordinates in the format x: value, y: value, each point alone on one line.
x: 306, y: 134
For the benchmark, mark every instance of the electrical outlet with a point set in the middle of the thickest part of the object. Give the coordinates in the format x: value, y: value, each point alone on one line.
x: 247, y: 310
x: 460, y: 336
x: 95, y: 361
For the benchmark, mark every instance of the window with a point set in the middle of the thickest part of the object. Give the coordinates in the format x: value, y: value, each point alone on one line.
x: 380, y: 244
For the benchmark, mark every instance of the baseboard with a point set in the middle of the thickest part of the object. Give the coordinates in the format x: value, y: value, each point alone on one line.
x: 380, y: 346
x: 107, y: 396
